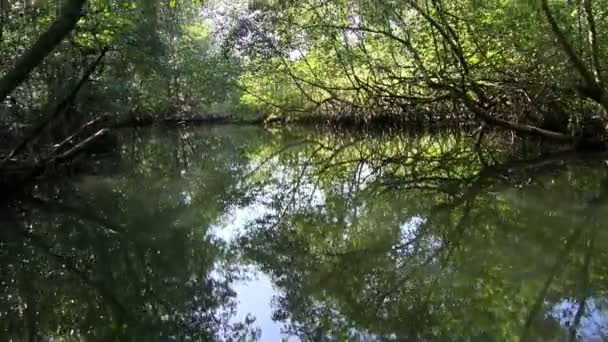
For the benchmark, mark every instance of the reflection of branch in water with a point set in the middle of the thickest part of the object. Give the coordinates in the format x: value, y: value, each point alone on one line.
x: 53, y: 207
x: 585, y: 285
x: 459, y: 230
x: 294, y: 191
x: 434, y: 256
x: 279, y: 152
x: 462, y: 197
x: 488, y: 176
x: 585, y: 272
x: 326, y: 165
x: 117, y: 232
x: 105, y: 293
x: 560, y: 263
x: 504, y: 174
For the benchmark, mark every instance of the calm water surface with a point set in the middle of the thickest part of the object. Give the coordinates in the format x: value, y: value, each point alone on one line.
x: 241, y: 234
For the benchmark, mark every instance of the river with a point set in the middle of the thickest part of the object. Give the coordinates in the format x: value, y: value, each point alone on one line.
x: 236, y: 233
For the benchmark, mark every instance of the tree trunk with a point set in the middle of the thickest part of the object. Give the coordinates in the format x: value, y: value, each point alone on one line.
x: 4, y: 9
x: 63, y: 25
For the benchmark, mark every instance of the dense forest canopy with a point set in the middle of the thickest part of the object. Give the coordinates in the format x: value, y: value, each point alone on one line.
x: 536, y: 68
x: 531, y: 67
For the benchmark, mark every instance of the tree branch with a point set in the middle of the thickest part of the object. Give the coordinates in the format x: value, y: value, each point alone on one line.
x: 63, y: 25
x: 593, y: 40
x: 593, y: 90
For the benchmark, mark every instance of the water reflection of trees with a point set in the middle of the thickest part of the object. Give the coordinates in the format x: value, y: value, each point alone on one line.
x: 369, y: 237
x: 124, y: 251
x: 429, y: 238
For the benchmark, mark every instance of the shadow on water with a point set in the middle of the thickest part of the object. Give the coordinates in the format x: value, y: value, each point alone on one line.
x: 318, y: 236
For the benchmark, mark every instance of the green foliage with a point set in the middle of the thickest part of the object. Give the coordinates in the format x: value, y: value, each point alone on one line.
x: 421, y: 56
x: 162, y: 61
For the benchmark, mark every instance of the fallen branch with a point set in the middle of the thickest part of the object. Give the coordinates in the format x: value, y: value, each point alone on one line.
x: 68, y: 140
x: 79, y: 147
x: 490, y: 119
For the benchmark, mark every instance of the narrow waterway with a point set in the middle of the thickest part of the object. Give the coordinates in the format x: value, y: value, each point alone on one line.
x: 237, y: 234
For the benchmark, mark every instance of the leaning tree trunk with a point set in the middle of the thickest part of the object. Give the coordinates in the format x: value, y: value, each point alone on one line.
x: 63, y: 25
x: 593, y: 87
